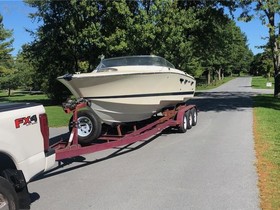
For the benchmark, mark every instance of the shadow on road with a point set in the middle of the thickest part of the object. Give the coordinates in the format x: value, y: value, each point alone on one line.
x: 80, y: 159
x: 206, y: 101
x: 34, y: 196
x: 223, y: 101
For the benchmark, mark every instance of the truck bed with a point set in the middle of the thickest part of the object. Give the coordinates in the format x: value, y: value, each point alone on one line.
x: 12, y: 106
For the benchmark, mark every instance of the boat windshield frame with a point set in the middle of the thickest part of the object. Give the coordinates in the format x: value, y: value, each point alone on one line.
x: 140, y: 60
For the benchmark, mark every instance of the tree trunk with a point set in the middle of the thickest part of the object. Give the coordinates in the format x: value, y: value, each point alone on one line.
x: 277, y: 85
x: 219, y: 73
x: 276, y: 61
x: 9, y: 92
x: 274, y: 49
x: 209, y: 77
x: 76, y: 64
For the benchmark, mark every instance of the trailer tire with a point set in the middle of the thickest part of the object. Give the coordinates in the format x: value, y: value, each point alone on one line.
x: 190, y: 119
x: 89, y: 127
x: 8, y: 196
x: 194, y: 116
x: 183, y: 127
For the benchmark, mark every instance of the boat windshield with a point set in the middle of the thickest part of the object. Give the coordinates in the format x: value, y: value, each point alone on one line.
x: 148, y: 60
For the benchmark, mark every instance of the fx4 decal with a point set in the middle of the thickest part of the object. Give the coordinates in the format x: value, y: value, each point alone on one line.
x: 29, y: 120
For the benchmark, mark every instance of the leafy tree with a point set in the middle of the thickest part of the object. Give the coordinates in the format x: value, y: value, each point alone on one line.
x: 7, y: 80
x: 216, y: 4
x: 219, y: 43
x: 262, y: 65
x: 26, y: 74
x: 184, y: 35
x: 240, y: 55
x: 267, y: 11
x: 195, y: 36
x: 5, y: 44
x: 69, y: 36
x: 73, y: 36
x: 163, y: 29
x: 116, y: 20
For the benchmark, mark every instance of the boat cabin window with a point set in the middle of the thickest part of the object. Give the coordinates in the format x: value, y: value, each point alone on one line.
x: 134, y: 61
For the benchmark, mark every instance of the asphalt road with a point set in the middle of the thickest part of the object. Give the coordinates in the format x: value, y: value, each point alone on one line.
x: 211, y: 166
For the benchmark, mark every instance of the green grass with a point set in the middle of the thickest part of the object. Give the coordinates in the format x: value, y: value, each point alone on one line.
x: 267, y: 144
x: 260, y: 82
x: 56, y: 116
x: 213, y: 84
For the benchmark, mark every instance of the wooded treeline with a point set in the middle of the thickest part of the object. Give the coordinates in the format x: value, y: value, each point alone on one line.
x: 198, y: 37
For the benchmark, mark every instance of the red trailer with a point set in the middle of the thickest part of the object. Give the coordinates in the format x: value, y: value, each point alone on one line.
x: 182, y: 117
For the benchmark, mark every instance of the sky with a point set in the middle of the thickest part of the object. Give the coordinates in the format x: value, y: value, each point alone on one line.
x: 15, y: 17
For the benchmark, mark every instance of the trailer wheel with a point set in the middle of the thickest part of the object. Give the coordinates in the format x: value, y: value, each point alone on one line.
x: 194, y: 116
x: 184, y: 124
x: 89, y: 127
x: 8, y: 196
x: 190, y: 119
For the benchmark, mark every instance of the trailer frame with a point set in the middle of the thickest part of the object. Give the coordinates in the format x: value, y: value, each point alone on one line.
x: 171, y: 117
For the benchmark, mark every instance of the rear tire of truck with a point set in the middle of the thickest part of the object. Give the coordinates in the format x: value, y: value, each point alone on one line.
x: 8, y: 196
x: 89, y: 127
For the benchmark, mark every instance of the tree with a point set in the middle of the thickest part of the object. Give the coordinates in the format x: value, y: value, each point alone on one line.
x: 262, y: 65
x: 194, y: 35
x: 162, y: 28
x: 73, y: 36
x: 7, y: 80
x: 240, y: 56
x: 26, y: 74
x: 267, y: 11
x: 219, y: 43
x: 69, y: 36
x: 5, y: 44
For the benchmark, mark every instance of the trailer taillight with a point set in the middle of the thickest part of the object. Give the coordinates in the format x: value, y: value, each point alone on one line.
x: 44, y: 130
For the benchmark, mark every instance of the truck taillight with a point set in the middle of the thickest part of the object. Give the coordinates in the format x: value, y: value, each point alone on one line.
x: 44, y: 130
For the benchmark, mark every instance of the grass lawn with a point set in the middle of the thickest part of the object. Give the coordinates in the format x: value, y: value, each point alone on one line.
x: 260, y: 82
x: 56, y: 116
x: 267, y: 146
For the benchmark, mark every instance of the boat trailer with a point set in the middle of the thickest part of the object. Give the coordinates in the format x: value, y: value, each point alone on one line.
x: 182, y: 117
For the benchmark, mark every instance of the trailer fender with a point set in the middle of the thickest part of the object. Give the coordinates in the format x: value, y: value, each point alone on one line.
x: 182, y: 111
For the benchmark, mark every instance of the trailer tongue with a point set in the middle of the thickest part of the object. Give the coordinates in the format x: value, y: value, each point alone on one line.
x: 182, y: 117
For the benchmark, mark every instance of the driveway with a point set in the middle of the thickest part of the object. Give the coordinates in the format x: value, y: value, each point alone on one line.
x: 211, y: 166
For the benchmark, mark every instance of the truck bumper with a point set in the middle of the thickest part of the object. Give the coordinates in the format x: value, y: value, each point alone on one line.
x: 50, y: 159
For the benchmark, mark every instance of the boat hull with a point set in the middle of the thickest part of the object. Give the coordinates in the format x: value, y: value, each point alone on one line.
x: 120, y: 98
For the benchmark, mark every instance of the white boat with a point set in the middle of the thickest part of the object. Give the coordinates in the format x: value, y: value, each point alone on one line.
x: 131, y: 88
